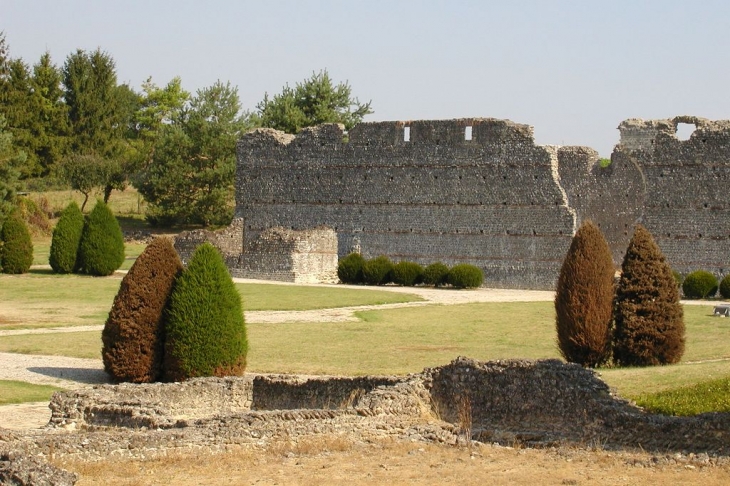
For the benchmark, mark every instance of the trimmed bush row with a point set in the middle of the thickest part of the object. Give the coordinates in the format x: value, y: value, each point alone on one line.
x: 354, y: 269
x: 16, y: 246
x: 92, y: 245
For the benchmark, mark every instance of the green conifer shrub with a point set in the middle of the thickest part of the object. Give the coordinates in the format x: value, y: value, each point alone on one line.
x: 435, y: 274
x: 349, y: 268
x: 699, y: 284
x: 16, y: 252
x: 376, y: 271
x: 133, y: 336
x: 407, y: 273
x: 101, y: 250
x: 66, y: 239
x: 584, y: 299
x: 465, y: 276
x: 725, y: 287
x: 205, y: 329
x: 648, y: 318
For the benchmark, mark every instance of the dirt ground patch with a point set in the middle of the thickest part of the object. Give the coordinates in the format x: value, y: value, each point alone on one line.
x: 335, y: 461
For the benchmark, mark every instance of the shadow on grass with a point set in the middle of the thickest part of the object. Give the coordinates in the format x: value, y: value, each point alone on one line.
x: 90, y: 376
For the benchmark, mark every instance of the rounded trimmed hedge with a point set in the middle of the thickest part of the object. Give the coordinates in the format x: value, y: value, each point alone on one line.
x: 349, y: 268
x: 407, y: 274
x: 66, y: 239
x: 465, y: 276
x: 376, y: 271
x: 16, y: 252
x: 725, y: 287
x: 699, y: 284
x: 101, y: 250
x: 205, y: 329
x: 435, y: 274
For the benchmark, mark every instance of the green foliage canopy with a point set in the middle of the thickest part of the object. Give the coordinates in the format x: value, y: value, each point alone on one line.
x: 16, y: 251
x: 190, y: 177
x: 312, y: 102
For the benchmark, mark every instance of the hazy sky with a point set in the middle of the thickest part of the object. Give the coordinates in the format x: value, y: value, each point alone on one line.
x: 572, y: 69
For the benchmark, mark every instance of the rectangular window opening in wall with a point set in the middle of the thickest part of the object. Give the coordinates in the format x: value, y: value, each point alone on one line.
x: 406, y: 134
x: 467, y: 133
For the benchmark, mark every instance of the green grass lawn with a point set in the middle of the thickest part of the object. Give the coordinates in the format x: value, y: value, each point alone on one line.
x: 21, y: 392
x: 404, y: 340
x: 43, y: 299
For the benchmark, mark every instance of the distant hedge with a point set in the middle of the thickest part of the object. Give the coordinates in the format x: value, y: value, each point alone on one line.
x: 465, y: 276
x: 435, y: 274
x: 349, y: 269
x: 699, y: 284
x: 377, y: 271
x: 407, y: 273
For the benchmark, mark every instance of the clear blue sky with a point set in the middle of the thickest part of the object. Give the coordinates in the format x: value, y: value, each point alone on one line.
x: 572, y: 69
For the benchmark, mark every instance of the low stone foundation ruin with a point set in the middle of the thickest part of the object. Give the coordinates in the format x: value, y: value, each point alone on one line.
x: 538, y: 403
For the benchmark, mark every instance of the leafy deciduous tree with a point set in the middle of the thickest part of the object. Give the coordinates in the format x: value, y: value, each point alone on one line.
x: 190, y: 177
x: 584, y: 299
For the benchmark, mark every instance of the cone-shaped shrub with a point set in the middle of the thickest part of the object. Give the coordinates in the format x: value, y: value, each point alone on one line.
x: 435, y: 274
x: 725, y: 287
x: 16, y: 252
x: 699, y: 284
x: 376, y: 271
x: 205, y: 330
x: 349, y: 269
x: 648, y: 318
x: 133, y: 336
x: 584, y: 299
x: 407, y: 273
x: 465, y: 276
x: 66, y: 239
x: 101, y: 250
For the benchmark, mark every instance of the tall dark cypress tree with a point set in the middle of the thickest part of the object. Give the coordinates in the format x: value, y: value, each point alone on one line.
x: 584, y: 299
x: 649, y: 320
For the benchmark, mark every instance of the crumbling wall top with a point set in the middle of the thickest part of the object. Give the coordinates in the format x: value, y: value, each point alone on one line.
x: 639, y: 134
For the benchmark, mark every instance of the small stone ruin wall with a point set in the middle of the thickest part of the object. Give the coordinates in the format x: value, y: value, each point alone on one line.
x: 306, y: 256
x: 229, y: 242
x: 533, y: 402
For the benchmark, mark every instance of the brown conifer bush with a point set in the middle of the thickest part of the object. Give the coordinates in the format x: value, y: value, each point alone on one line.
x: 584, y: 299
x: 648, y: 318
x: 133, y: 336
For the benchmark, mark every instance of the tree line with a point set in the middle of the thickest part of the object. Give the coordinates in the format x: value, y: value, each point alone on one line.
x: 76, y: 125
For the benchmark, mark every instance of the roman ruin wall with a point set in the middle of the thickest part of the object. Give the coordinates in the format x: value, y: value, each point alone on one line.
x: 476, y: 191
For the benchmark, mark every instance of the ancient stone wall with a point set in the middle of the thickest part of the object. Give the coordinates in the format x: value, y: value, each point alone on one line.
x: 480, y: 191
x: 229, y: 241
x: 685, y: 188
x: 473, y: 191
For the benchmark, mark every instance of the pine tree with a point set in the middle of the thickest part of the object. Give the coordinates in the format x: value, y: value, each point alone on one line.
x: 16, y: 252
x: 584, y: 299
x: 101, y: 251
x: 133, y: 336
x: 649, y: 323
x: 66, y: 240
x: 205, y: 330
